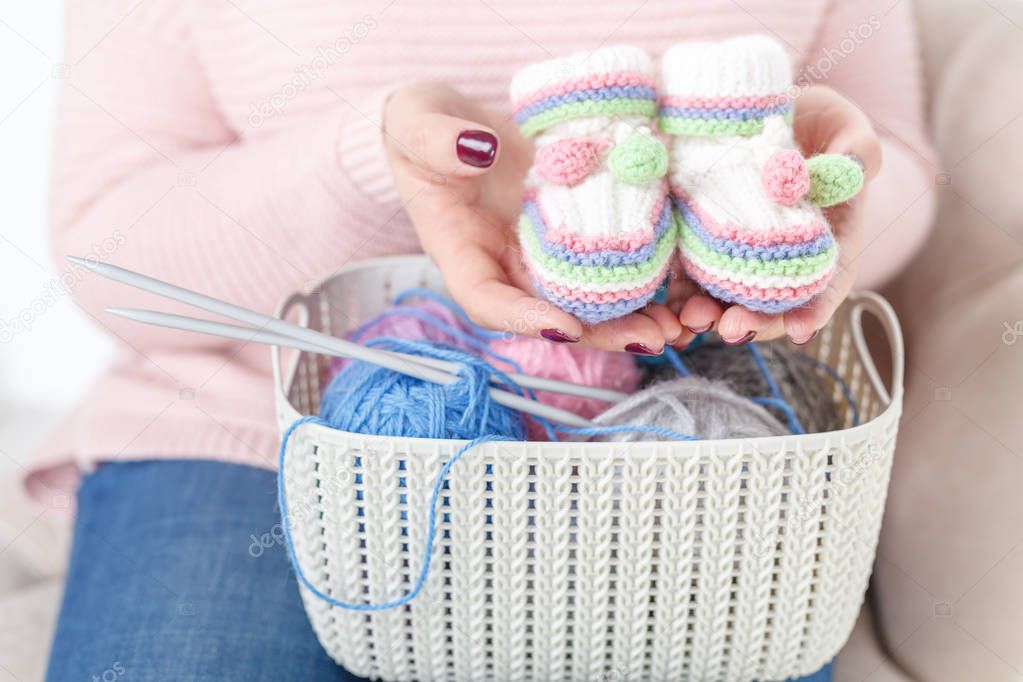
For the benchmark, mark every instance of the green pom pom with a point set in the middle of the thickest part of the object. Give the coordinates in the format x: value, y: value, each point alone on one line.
x: 638, y: 160
x: 834, y: 178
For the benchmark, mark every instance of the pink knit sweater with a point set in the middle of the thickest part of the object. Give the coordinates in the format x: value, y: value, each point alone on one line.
x: 235, y: 148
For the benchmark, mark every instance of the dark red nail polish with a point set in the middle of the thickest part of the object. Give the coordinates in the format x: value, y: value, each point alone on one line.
x: 745, y: 338
x: 558, y: 336
x: 641, y: 349
x: 807, y: 340
x: 704, y: 330
x: 476, y: 148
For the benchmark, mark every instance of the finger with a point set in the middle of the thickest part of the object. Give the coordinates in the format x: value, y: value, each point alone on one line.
x: 671, y: 328
x: 828, y: 122
x: 683, y: 341
x: 802, y: 324
x: 859, y: 141
x: 436, y: 143
x: 501, y: 307
x: 700, y: 313
x: 741, y: 325
x: 480, y: 285
x: 774, y: 329
x: 635, y: 333
x: 680, y: 288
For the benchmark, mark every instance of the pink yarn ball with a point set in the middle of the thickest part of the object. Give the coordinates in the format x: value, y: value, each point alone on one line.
x: 785, y: 177
x: 567, y: 162
x: 393, y: 324
x: 590, y: 366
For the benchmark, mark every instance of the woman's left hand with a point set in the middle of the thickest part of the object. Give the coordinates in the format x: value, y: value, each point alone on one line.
x: 465, y: 215
x: 825, y: 122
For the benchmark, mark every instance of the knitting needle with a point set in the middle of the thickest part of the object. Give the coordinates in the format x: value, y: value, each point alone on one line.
x: 230, y: 331
x: 347, y: 348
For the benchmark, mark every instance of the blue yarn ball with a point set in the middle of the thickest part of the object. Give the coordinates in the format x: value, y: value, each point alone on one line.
x: 368, y: 399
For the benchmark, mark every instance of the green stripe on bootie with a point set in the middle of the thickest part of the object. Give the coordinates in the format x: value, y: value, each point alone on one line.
x: 834, y: 178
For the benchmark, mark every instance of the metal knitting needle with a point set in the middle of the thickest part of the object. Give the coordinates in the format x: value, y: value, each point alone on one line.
x: 347, y: 348
x: 248, y: 334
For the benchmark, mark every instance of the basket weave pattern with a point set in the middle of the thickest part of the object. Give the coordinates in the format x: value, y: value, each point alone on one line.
x: 733, y: 560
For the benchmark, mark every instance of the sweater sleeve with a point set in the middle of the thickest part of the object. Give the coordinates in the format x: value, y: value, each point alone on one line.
x: 150, y: 176
x: 868, y: 51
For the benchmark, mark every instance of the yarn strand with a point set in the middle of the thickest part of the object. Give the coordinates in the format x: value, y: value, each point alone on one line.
x: 778, y: 401
x: 431, y: 534
x: 366, y: 399
x: 454, y: 308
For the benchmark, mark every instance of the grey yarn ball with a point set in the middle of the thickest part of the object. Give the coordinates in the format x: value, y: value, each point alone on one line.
x: 803, y: 386
x: 694, y: 406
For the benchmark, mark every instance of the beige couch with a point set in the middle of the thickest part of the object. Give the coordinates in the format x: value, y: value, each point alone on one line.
x: 967, y: 282
x: 947, y: 584
x: 948, y: 604
x: 33, y: 550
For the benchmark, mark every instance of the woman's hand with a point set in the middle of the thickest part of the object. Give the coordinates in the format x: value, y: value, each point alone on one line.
x: 459, y: 170
x: 824, y: 122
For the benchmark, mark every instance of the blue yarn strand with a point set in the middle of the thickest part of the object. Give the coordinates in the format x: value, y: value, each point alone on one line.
x: 431, y: 523
x: 837, y: 378
x: 778, y: 401
x: 675, y: 360
x: 364, y: 398
x: 431, y: 533
x: 472, y: 341
x: 475, y: 340
x: 624, y: 428
x: 440, y: 299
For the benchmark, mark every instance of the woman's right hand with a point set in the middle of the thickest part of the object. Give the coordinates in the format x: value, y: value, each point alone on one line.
x: 462, y: 187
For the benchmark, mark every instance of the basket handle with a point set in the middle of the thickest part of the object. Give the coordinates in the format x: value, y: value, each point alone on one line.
x: 300, y: 302
x: 870, y: 302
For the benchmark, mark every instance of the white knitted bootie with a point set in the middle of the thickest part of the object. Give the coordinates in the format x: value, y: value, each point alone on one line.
x: 596, y: 229
x: 749, y: 229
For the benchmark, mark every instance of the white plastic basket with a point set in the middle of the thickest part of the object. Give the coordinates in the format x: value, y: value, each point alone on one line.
x: 733, y: 560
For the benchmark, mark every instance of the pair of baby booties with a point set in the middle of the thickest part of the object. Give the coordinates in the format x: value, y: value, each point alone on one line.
x: 606, y: 205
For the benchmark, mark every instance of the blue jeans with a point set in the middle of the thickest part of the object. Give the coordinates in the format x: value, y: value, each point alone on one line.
x: 175, y: 574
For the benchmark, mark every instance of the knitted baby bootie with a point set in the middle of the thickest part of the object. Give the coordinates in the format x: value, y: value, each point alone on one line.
x: 596, y: 229
x: 751, y: 230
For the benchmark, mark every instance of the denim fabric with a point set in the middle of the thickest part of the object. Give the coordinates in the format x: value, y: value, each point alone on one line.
x: 177, y: 572
x: 175, y: 575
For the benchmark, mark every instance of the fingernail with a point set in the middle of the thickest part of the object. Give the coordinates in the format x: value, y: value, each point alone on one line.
x: 558, y: 336
x: 857, y: 159
x: 476, y: 148
x: 641, y: 349
x: 803, y: 342
x: 704, y: 330
x: 745, y: 338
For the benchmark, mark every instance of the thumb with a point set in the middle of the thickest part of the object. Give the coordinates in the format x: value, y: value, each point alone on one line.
x: 438, y: 143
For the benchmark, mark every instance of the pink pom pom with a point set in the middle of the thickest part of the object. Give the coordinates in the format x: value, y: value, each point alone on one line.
x: 786, y: 178
x: 590, y: 366
x: 568, y: 162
